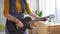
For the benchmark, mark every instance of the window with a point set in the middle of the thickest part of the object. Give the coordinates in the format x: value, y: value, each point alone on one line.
x: 49, y: 7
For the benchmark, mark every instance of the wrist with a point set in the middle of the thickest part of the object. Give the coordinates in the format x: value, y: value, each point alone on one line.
x: 14, y: 20
x: 17, y: 21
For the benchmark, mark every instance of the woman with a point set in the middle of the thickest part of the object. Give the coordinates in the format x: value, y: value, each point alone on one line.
x: 14, y: 9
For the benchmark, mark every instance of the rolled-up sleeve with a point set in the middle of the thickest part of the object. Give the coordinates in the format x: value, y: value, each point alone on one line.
x: 6, y: 6
x: 29, y: 11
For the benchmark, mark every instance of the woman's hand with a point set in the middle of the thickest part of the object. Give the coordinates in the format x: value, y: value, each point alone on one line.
x: 19, y: 23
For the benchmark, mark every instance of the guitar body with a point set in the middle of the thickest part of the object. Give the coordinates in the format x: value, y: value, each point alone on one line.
x: 26, y: 23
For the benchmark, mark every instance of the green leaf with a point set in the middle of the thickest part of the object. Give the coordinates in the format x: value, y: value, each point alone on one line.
x: 40, y: 14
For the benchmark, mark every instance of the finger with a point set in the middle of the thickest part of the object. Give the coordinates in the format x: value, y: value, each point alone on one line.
x: 21, y: 26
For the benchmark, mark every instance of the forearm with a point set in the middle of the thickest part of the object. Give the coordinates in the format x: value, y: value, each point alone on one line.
x: 34, y: 15
x: 9, y: 17
x: 17, y: 21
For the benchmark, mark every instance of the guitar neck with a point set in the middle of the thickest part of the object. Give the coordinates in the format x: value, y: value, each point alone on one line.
x: 33, y: 21
x: 39, y: 19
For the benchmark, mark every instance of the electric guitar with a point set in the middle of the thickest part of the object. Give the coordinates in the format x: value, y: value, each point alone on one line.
x: 26, y: 22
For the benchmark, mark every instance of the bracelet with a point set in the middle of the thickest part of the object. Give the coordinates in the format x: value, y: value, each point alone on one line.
x: 14, y: 19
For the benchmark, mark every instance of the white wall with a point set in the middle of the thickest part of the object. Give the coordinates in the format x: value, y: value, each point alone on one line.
x: 2, y: 18
x: 33, y: 4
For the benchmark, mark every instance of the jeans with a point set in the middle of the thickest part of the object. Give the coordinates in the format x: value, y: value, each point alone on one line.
x: 6, y: 31
x: 26, y: 32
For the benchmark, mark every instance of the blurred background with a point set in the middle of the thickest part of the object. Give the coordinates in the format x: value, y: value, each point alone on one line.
x: 42, y: 8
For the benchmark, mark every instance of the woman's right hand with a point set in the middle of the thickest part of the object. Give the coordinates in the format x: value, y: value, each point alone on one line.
x: 19, y: 23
